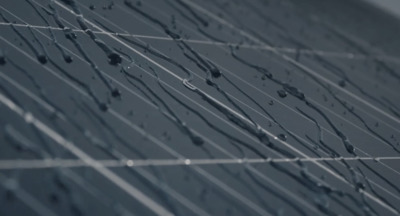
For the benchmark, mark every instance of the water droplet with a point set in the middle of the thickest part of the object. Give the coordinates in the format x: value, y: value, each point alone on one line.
x: 198, y: 141
x: 349, y: 147
x: 116, y: 93
x: 282, y: 137
x: 42, y: 59
x: 360, y: 186
x: 263, y: 77
x: 215, y: 72
x: 68, y: 59
x: 294, y: 91
x: 114, y: 59
x: 129, y: 163
x: 103, y: 107
x: 282, y: 93
x: 28, y: 117
x: 2, y: 60
x: 209, y: 82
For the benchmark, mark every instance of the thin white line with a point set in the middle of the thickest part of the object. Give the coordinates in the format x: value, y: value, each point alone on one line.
x: 71, y: 163
x: 256, y: 173
x: 208, y: 176
x: 246, y: 46
x: 131, y: 190
x: 196, y: 32
x: 51, y: 109
x: 173, y: 153
x: 207, y: 42
x: 286, y: 144
x: 94, y: 191
x: 169, y: 150
x: 383, y: 164
x: 352, y: 37
x: 284, y: 105
x: 28, y: 199
x: 312, y: 100
x: 232, y: 111
x: 279, y: 102
x: 263, y: 92
x: 305, y: 68
x: 144, y: 173
x: 210, y: 141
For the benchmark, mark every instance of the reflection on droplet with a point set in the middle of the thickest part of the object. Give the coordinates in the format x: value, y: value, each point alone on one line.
x: 129, y: 163
x: 28, y: 117
x: 282, y: 137
x: 114, y: 59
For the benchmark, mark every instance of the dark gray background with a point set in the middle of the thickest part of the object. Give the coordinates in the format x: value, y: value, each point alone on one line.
x: 341, y: 54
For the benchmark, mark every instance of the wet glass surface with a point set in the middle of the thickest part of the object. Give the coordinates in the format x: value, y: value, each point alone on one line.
x: 190, y: 107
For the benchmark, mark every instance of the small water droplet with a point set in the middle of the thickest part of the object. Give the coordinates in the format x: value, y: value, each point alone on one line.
x: 42, y: 59
x: 215, y: 72
x: 349, y: 147
x: 130, y: 163
x: 198, y: 141
x: 360, y: 186
x: 282, y: 93
x: 263, y: 77
x: 103, y: 107
x: 68, y: 59
x: 116, y: 93
x: 28, y: 117
x: 282, y: 137
x: 2, y: 59
x: 114, y: 59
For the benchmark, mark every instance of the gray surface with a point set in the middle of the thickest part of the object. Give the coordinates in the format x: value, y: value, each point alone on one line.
x: 392, y: 6
x: 233, y: 146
